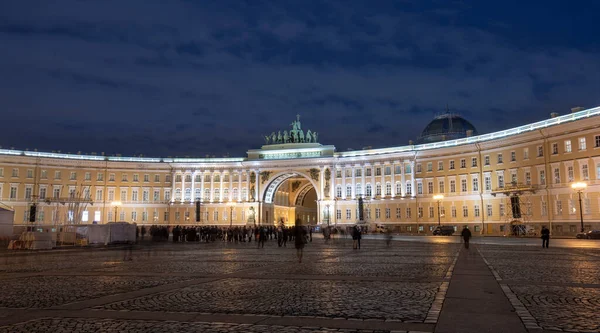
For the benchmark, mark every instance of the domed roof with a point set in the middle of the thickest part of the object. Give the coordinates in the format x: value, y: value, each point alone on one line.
x: 447, y: 126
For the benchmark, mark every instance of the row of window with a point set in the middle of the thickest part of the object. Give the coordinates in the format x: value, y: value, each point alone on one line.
x: 208, y: 177
x: 369, y: 190
x: 387, y: 170
x: 216, y: 194
x: 87, y: 176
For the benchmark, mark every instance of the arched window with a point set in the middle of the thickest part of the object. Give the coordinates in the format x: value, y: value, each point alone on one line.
x: 408, y: 188
x: 197, y: 194
x: 378, y: 189
x: 206, y: 194
x: 388, y: 189
x: 188, y: 194
x: 177, y: 194
x: 348, y: 191
x: 338, y: 191
x: 217, y: 195
x: 226, y: 194
x: 398, y: 188
x: 358, y: 190
x: 235, y: 194
x: 369, y: 190
x: 217, y: 178
x: 245, y: 194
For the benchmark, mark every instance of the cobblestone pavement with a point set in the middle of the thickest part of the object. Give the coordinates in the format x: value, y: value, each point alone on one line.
x: 221, y: 287
x: 559, y: 287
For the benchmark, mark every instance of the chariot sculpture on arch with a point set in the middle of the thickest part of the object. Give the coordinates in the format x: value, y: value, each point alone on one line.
x: 295, y: 135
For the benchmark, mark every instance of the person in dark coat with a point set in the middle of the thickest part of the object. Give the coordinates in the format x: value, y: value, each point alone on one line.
x: 356, y: 236
x: 545, y: 237
x: 262, y: 235
x: 299, y: 239
x: 466, y: 235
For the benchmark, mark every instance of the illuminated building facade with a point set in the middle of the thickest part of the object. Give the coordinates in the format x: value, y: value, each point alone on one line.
x: 293, y: 176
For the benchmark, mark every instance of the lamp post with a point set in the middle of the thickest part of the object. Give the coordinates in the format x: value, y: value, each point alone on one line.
x: 231, y: 204
x: 438, y: 198
x: 116, y: 204
x: 579, y: 187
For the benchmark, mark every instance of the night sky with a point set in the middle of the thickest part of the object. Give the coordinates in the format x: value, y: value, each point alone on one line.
x: 191, y: 78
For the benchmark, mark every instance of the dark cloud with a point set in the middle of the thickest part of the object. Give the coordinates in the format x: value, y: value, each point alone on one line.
x: 196, y: 78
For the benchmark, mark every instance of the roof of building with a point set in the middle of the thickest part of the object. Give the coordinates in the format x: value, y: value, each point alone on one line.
x: 447, y: 126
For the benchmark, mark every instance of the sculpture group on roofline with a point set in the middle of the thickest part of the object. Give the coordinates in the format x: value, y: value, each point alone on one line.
x: 295, y: 135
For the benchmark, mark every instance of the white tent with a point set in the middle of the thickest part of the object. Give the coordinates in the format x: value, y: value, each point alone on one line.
x: 7, y: 216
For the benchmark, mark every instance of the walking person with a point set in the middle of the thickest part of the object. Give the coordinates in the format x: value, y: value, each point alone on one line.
x: 262, y: 235
x: 299, y: 239
x: 310, y: 230
x: 466, y: 235
x: 545, y: 237
x: 356, y: 236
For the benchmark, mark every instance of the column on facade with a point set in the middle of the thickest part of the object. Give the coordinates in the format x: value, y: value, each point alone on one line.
x: 230, y: 185
x: 393, y: 173
x: 173, y: 177
x: 221, y: 176
x: 412, y: 179
x: 353, y: 182
x: 362, y: 180
x: 212, y: 186
x: 344, y: 182
x: 333, y: 185
x: 247, y: 173
x: 256, y: 172
x: 239, y: 175
x: 373, y: 184
x: 193, y: 193
x: 182, y: 186
x: 322, y: 184
x: 402, y: 178
x: 201, y: 186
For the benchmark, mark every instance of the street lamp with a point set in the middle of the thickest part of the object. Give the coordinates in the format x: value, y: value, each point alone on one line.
x: 438, y: 198
x: 579, y: 187
x: 116, y: 204
x: 231, y: 204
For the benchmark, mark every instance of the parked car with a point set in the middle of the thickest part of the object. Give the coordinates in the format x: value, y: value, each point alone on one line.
x: 592, y: 234
x: 445, y: 230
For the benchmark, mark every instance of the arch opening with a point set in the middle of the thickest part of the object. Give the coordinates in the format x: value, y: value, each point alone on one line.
x: 288, y: 197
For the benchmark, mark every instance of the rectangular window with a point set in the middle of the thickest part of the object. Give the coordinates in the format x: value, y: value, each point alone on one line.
x: 87, y: 176
x: 398, y: 169
x: 73, y: 175
x: 585, y: 172
x: 463, y: 163
x: 133, y: 216
x: 418, y: 167
x: 501, y: 209
x: 501, y: 181
x: 499, y: 158
x: 542, y: 177
x: 388, y: 170
x: 358, y: 172
x: 168, y: 195
x: 56, y: 193
x: 136, y: 177
x: 463, y: 185
x: 29, y: 173
x: 111, y: 177
x: 15, y: 172
x: 408, y: 213
x: 556, y: 176
x: 111, y: 195
x: 43, y: 174
x: 397, y: 212
x: 157, y: 178
x: 486, y: 160
x: 124, y: 177
x: 338, y: 214
x: 377, y: 213
x: 513, y: 156
x: 377, y: 171
x: 567, y: 146
x: 554, y: 148
x: 42, y: 193
x: 441, y: 186
x: 57, y: 175
x: 419, y: 188
x: 513, y: 177
x: 430, y: 212
x: 99, y: 195
x: 100, y: 177
x: 475, y: 184
x: 528, y: 178
x: 146, y: 178
x: 408, y: 189
x: 2, y: 172
x: 476, y: 210
x: 28, y: 191
x: 453, y: 212
x: 452, y: 186
x: 430, y: 187
x: 474, y: 162
x: 368, y: 172
x: 570, y: 173
x: 489, y: 209
x: 145, y: 195
x: 597, y: 141
x: 582, y: 144
x: 156, y: 196
x: 429, y: 166
x: 348, y: 214
x: 558, y: 208
x: 525, y: 153
x: 420, y: 212
x: 440, y: 166
x: 488, y: 182
x: 544, y: 208
x: 540, y: 151
x: 451, y: 167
